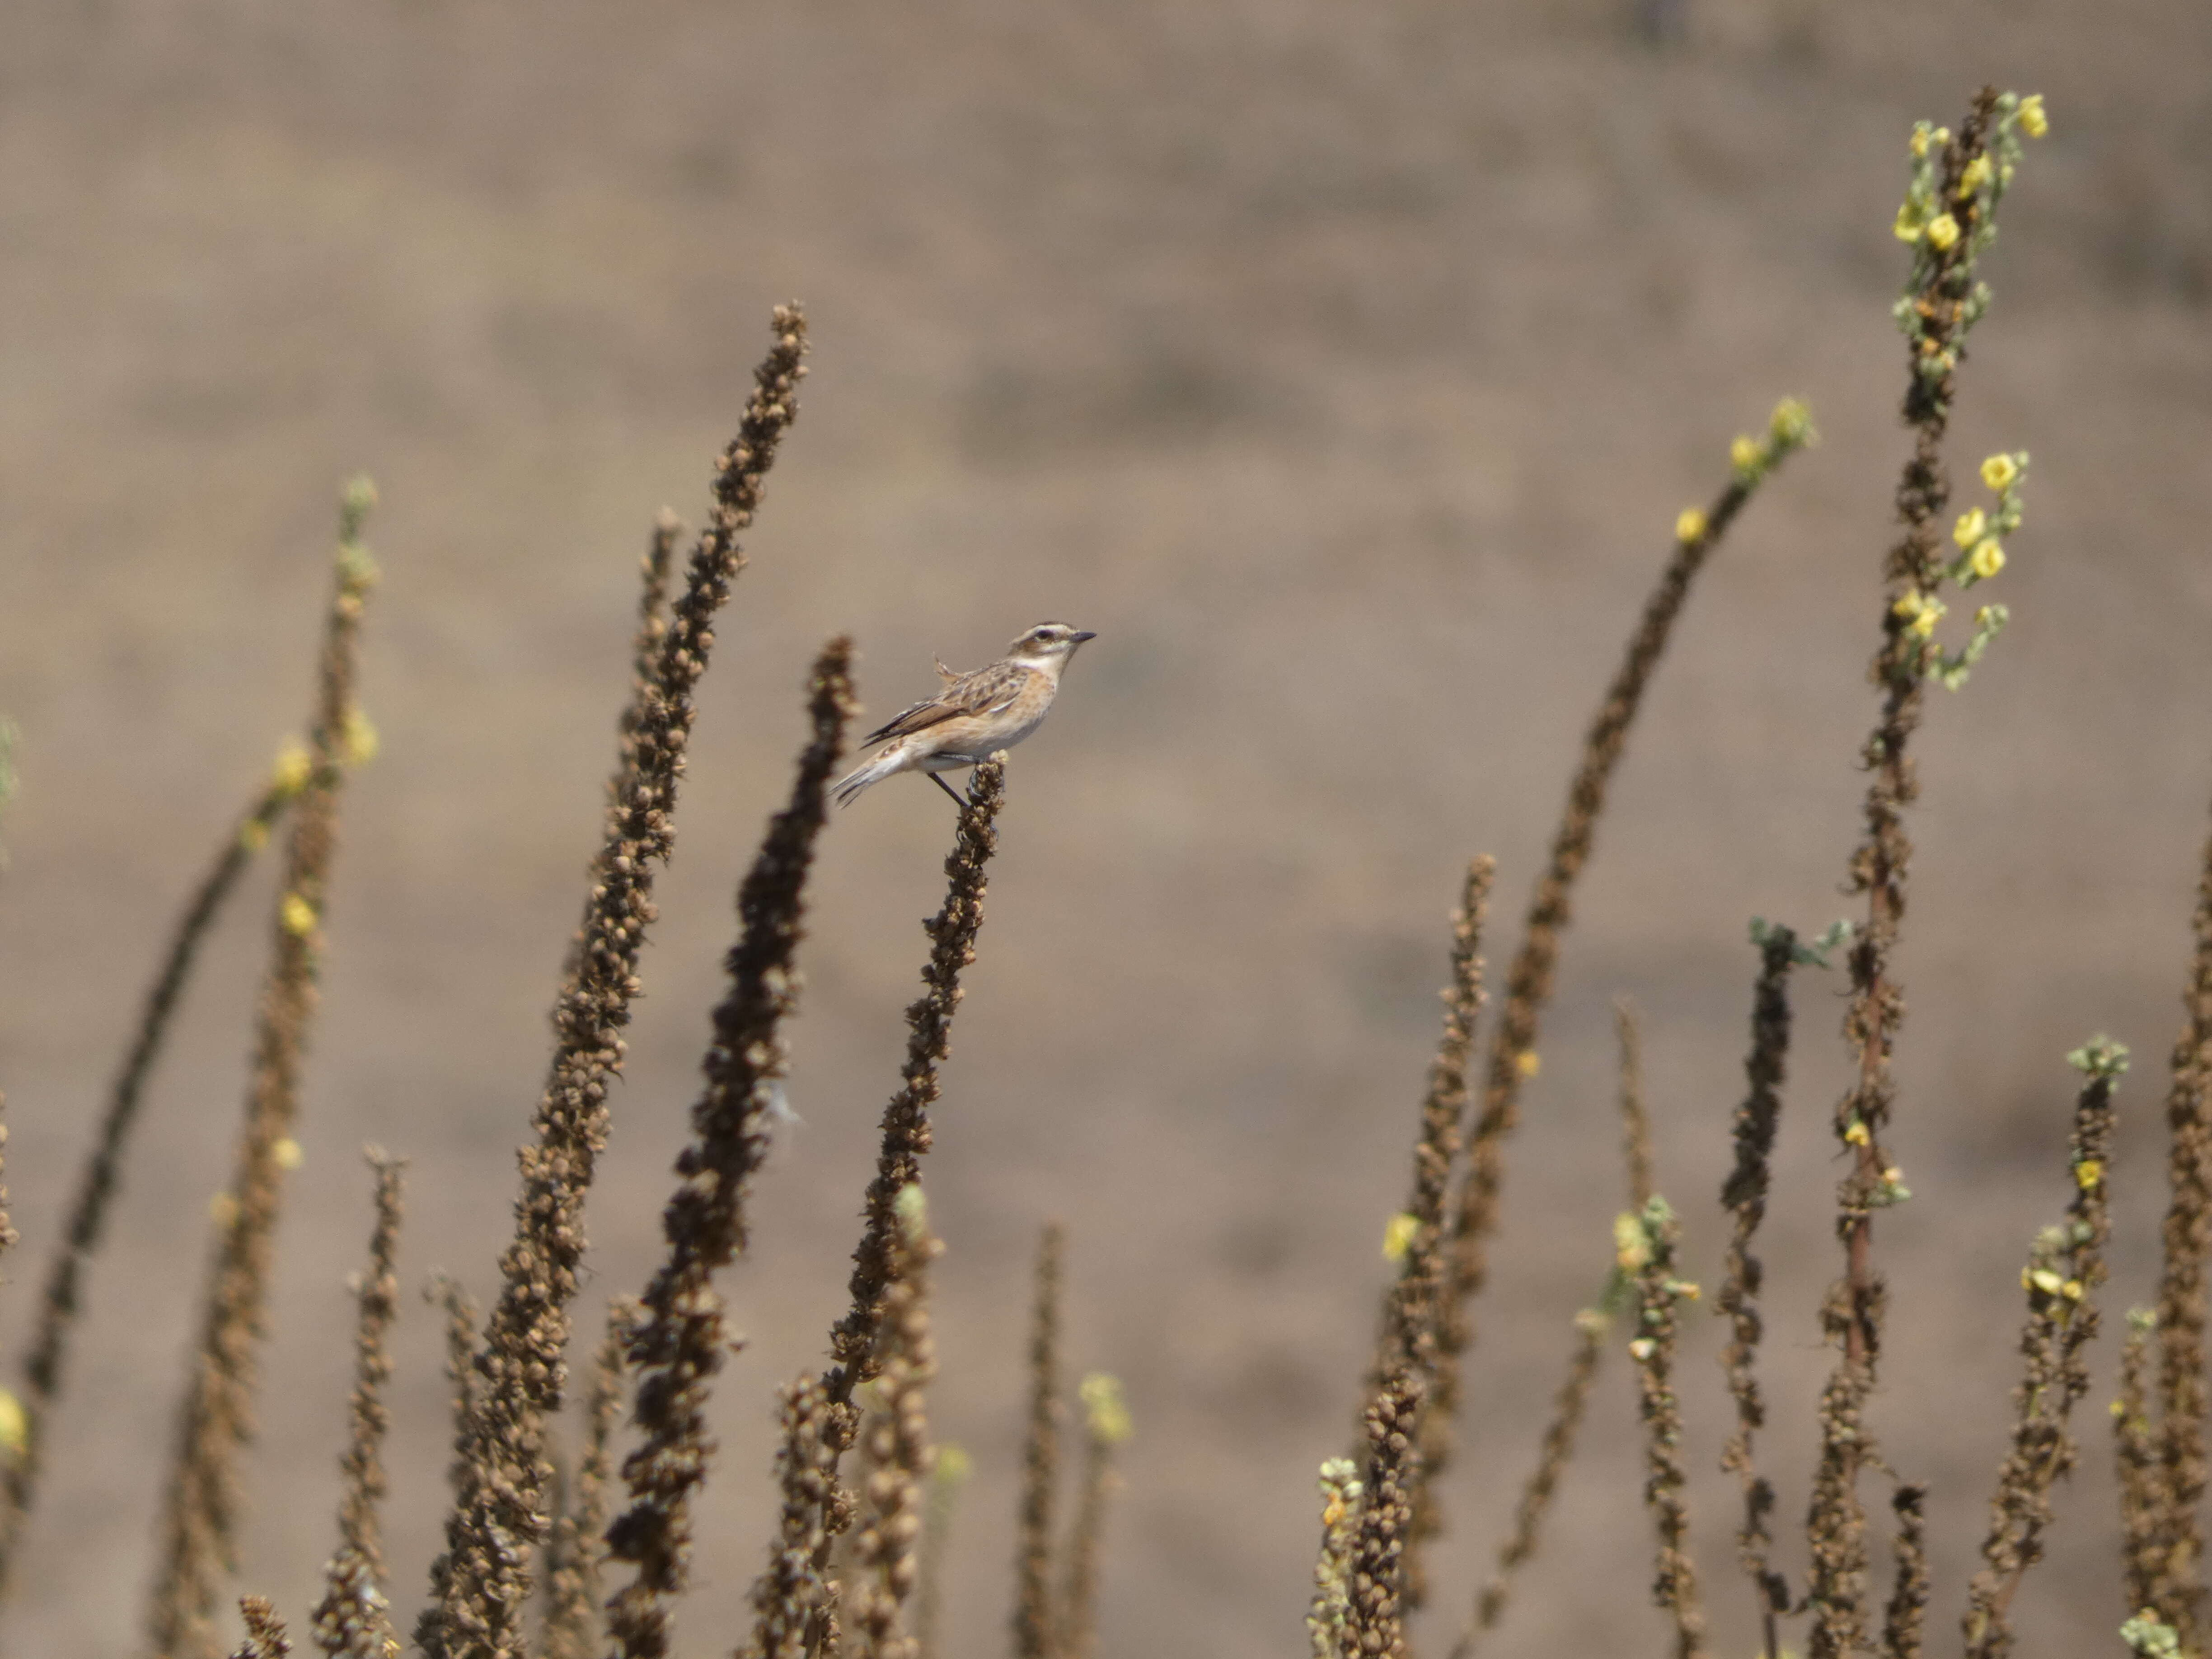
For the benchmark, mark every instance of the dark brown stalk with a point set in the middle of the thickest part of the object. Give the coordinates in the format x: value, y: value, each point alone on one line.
x: 2177, y: 1589
x: 1033, y: 1620
x: 201, y: 1511
x: 1908, y: 1593
x: 576, y: 1553
x: 482, y: 1581
x: 1635, y: 1121
x: 355, y: 1617
x: 264, y: 1631
x: 1105, y: 1426
x: 906, y: 1133
x: 2136, y: 1454
x: 1744, y: 1195
x: 1374, y: 1616
x: 2061, y: 1279
x: 1330, y: 1612
x: 1674, y: 1587
x: 794, y: 1610
x: 460, y: 1312
x: 1411, y: 1306
x: 1568, y: 1405
x: 1941, y: 297
x: 96, y: 1184
x: 1513, y: 1055
x: 679, y: 1344
x: 896, y: 1449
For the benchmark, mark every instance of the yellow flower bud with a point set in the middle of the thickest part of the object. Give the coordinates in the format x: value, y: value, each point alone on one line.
x: 293, y: 767
x: 1745, y: 453
x: 1908, y: 225
x: 15, y: 1425
x: 1690, y: 525
x: 2072, y: 1289
x: 1942, y: 231
x: 287, y: 1154
x: 1641, y: 1349
x: 1920, y: 142
x: 1791, y: 422
x: 298, y: 915
x: 1999, y: 471
x: 359, y: 738
x: 2047, y: 1281
x: 2032, y: 120
x: 1398, y: 1235
x: 2087, y: 1173
x: 1971, y: 528
x: 1857, y: 1133
x: 1978, y: 173
x: 1987, y: 558
x: 1528, y: 1062
x: 1925, y: 623
x: 1630, y: 1248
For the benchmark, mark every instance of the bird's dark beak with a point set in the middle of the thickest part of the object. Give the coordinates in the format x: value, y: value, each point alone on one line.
x: 1081, y: 635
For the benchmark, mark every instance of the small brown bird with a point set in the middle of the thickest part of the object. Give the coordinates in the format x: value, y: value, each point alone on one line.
x: 974, y: 715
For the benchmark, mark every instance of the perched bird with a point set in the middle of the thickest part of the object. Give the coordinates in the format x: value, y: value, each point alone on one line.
x: 974, y: 715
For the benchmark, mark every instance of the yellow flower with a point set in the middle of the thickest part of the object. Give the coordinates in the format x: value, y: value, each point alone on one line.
x: 2072, y: 1289
x: 2047, y: 1281
x: 1528, y: 1062
x: 1641, y: 1349
x: 1690, y: 525
x: 1908, y: 224
x: 293, y: 767
x: 1987, y: 558
x: 1920, y: 142
x: 1106, y: 1414
x: 1630, y: 1248
x: 2032, y: 120
x: 1791, y: 422
x: 2087, y: 1173
x: 1999, y: 471
x: 1971, y: 528
x: 359, y: 738
x: 287, y: 1154
x: 1978, y: 173
x: 1688, y: 1290
x: 1910, y: 604
x: 1925, y: 623
x: 15, y: 1425
x: 1399, y: 1234
x: 1746, y: 453
x: 953, y: 1466
x: 299, y: 915
x: 1857, y: 1133
x: 1942, y: 231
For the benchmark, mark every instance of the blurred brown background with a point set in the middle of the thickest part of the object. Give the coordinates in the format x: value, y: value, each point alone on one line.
x: 1344, y: 366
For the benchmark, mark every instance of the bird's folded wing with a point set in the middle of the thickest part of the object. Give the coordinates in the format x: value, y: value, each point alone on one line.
x: 987, y: 692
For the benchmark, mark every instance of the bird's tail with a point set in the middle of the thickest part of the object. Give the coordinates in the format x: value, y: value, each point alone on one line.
x: 874, y: 770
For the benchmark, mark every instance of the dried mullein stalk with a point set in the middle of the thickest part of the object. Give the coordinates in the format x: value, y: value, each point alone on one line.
x: 265, y: 1637
x: 1513, y: 1055
x: 896, y: 1448
x: 793, y: 1606
x: 1033, y: 1620
x: 1908, y: 1593
x: 577, y: 1548
x: 2134, y: 1447
x: 1674, y: 1587
x: 1410, y: 1307
x: 354, y: 1616
x: 1375, y: 1612
x: 2061, y: 1279
x: 678, y: 1344
x: 1329, y: 1617
x: 482, y: 1580
x: 48, y: 1351
x: 201, y: 1510
x: 1105, y: 1426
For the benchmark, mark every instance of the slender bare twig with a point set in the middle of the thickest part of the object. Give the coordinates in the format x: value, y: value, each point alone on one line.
x: 200, y: 1512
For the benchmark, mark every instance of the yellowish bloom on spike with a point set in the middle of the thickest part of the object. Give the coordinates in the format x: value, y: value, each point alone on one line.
x: 1925, y: 623
x: 1792, y: 423
x: 1910, y: 604
x: 2033, y: 121
x: 1909, y: 225
x: 1399, y: 1234
x: 1920, y: 142
x: 1987, y: 558
x: 1631, y: 1249
x: 1856, y: 1134
x: 360, y: 739
x: 2072, y: 1289
x: 293, y: 767
x: 298, y: 915
x: 1528, y: 1062
x: 1688, y: 1290
x: 1978, y: 173
x: 2047, y: 1281
x: 1745, y: 453
x: 15, y: 1426
x: 1942, y: 231
x: 2000, y: 472
x: 1106, y: 1413
x: 953, y: 1466
x: 1690, y: 525
x: 2087, y: 1173
x: 287, y: 1154
x: 1641, y: 1349
x: 1971, y: 528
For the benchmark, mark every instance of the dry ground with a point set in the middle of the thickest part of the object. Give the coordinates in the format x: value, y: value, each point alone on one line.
x: 1344, y: 367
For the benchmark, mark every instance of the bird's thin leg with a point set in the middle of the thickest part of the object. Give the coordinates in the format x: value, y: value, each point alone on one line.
x: 938, y: 778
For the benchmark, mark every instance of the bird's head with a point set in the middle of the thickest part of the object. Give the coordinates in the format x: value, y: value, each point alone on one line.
x: 1049, y: 645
